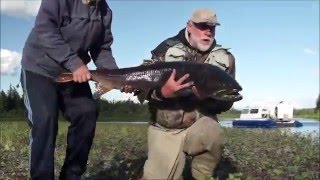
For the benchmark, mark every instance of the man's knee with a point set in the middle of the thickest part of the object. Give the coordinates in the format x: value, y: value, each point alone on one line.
x: 214, y: 135
x: 44, y: 121
x: 205, y: 135
x: 87, y: 110
x: 207, y: 153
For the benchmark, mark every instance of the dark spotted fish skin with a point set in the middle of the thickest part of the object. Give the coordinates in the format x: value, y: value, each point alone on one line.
x: 210, y: 81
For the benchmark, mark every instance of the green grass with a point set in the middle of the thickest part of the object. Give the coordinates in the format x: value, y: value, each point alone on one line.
x: 119, y: 151
x: 137, y: 113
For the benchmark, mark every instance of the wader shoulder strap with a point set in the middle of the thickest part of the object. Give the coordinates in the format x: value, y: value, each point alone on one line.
x: 160, y: 51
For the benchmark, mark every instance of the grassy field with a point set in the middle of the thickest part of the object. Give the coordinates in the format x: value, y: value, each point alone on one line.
x: 119, y: 152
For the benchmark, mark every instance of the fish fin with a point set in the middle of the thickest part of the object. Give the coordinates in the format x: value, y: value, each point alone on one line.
x: 200, y: 95
x: 136, y: 92
x: 64, y: 77
x: 142, y: 96
x: 101, y: 89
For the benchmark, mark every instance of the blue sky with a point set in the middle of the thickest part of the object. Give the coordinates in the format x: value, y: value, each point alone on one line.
x: 276, y: 43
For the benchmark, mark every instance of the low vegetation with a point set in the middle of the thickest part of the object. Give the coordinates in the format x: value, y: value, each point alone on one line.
x: 119, y: 152
x: 11, y: 106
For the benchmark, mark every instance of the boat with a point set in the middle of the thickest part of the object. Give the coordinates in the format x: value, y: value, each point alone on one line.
x: 263, y: 117
x: 291, y: 123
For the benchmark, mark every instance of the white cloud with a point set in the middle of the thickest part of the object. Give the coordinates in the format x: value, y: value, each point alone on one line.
x: 20, y: 8
x: 10, y: 62
x: 116, y: 95
x: 309, y: 51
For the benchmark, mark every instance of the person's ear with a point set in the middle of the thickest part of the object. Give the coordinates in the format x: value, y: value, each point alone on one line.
x: 188, y: 24
x: 188, y: 27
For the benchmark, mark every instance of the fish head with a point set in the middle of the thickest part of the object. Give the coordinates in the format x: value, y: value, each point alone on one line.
x: 219, y: 85
x: 227, y: 89
x: 227, y: 95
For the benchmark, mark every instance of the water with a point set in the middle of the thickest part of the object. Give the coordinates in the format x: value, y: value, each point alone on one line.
x: 310, y: 126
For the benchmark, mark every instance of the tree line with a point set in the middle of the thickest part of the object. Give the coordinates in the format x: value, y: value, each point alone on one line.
x: 12, y: 106
x: 11, y: 103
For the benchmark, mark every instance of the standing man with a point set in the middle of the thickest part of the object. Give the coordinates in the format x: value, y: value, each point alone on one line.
x: 67, y: 34
x: 187, y: 125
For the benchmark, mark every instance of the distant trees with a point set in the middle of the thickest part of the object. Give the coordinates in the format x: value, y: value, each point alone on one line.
x: 12, y: 106
x: 122, y: 111
x: 10, y: 102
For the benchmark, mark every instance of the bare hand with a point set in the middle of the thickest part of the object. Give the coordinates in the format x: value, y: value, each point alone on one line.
x: 82, y: 74
x: 170, y: 88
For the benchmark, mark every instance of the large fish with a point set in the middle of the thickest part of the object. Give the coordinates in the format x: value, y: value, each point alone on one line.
x: 210, y: 81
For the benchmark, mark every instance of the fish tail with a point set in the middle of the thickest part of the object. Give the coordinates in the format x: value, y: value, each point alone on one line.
x: 64, y: 77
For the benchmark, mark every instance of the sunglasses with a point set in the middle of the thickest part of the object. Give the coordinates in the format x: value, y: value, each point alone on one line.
x: 203, y: 26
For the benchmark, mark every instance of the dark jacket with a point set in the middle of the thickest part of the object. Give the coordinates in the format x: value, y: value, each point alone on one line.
x: 170, y: 112
x: 65, y: 32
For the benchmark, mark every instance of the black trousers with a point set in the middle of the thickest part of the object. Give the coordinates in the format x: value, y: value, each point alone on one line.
x: 43, y: 100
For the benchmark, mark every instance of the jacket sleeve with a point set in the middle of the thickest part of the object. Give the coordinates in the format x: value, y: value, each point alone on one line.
x: 102, y: 53
x: 47, y: 26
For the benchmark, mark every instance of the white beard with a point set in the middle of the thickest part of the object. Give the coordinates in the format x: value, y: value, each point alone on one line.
x: 193, y: 42
x: 199, y: 46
